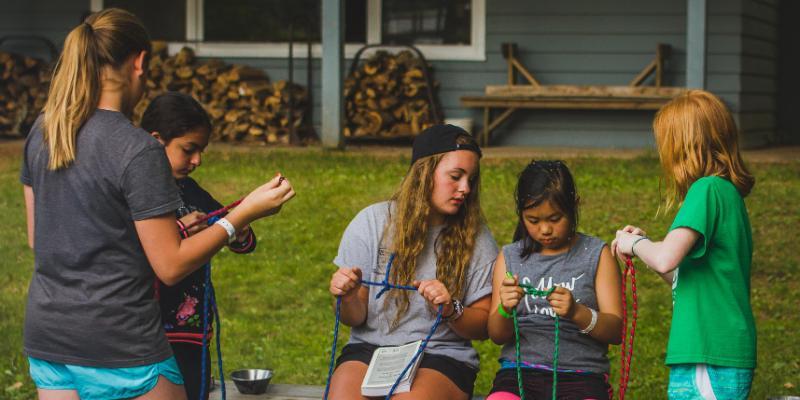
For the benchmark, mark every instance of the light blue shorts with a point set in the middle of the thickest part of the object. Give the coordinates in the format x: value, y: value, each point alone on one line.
x: 102, y: 383
x: 708, y: 382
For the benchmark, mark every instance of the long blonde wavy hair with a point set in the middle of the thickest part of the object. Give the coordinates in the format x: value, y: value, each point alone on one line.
x: 107, y: 37
x: 409, y: 227
x: 696, y: 137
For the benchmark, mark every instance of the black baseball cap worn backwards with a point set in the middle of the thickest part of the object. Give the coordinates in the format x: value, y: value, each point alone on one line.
x: 440, y: 139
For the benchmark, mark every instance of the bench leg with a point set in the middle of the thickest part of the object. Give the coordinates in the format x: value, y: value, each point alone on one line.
x: 487, y: 114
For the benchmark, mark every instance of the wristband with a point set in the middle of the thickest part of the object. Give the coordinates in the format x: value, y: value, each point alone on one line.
x: 589, y: 328
x: 228, y: 226
x: 637, y: 241
x: 458, y: 311
x: 503, y: 312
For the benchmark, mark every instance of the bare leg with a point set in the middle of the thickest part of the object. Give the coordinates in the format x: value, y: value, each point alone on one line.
x: 164, y: 390
x: 346, y: 381
x: 430, y: 384
x: 46, y: 394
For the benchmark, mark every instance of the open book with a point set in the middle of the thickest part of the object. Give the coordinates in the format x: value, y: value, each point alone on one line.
x: 386, y: 365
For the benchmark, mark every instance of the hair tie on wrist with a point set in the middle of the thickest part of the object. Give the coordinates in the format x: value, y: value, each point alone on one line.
x: 503, y: 312
x: 637, y: 241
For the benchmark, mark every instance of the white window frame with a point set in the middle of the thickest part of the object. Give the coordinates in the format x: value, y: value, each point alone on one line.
x: 476, y: 51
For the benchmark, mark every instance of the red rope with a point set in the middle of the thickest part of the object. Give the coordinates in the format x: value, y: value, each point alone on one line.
x: 626, y: 349
x: 212, y: 214
x: 221, y: 210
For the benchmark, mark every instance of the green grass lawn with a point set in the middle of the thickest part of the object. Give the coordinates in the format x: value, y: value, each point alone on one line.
x: 276, y: 310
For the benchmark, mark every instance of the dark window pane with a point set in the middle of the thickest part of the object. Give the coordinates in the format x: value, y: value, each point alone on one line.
x: 355, y: 21
x: 272, y: 20
x: 164, y: 20
x: 426, y: 21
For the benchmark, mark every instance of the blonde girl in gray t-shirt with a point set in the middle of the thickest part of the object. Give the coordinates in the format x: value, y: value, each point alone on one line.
x: 434, y: 227
x: 100, y: 202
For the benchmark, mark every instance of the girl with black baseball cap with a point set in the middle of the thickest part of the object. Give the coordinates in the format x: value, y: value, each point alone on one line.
x: 433, y: 234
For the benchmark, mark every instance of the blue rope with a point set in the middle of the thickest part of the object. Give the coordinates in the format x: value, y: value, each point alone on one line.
x: 210, y: 297
x: 419, y: 351
x: 206, y: 297
x: 386, y: 287
x: 219, y: 338
x: 333, y: 347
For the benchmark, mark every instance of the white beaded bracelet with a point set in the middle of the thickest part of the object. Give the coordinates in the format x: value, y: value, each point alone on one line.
x: 589, y: 328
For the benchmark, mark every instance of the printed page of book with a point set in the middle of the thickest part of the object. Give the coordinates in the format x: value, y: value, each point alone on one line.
x: 387, y: 363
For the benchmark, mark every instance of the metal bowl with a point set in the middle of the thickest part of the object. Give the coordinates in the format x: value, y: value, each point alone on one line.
x: 252, y: 381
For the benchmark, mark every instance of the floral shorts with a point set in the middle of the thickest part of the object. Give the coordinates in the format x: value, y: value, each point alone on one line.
x: 708, y: 382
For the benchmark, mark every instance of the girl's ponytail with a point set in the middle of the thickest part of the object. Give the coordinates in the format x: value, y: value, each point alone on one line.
x: 107, y: 37
x: 73, y: 96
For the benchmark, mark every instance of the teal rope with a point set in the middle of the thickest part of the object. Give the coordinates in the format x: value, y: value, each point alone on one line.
x: 541, y: 293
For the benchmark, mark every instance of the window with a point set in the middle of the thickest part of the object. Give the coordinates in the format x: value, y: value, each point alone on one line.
x: 441, y: 29
x: 276, y: 21
x: 158, y: 16
x: 426, y: 22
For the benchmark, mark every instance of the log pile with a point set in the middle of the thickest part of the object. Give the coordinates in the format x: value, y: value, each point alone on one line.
x: 242, y: 102
x: 387, y: 97
x: 24, y: 82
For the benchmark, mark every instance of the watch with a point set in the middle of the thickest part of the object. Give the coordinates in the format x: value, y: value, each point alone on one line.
x: 458, y: 310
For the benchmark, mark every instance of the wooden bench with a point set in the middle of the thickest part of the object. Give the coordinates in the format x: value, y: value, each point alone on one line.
x: 533, y: 95
x: 277, y: 391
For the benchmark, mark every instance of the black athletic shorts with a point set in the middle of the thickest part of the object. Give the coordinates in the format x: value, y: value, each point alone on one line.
x: 538, y: 384
x: 461, y: 374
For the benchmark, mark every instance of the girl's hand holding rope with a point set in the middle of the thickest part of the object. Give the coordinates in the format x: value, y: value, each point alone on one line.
x: 345, y: 282
x: 242, y: 234
x: 435, y: 293
x: 563, y: 303
x: 511, y: 293
x: 191, y: 222
x: 266, y: 200
x: 622, y: 245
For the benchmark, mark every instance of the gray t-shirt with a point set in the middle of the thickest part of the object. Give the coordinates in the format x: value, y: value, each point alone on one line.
x: 362, y: 246
x: 90, y: 300
x: 575, y: 270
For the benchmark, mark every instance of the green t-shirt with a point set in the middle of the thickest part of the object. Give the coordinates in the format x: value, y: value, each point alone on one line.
x: 712, y: 321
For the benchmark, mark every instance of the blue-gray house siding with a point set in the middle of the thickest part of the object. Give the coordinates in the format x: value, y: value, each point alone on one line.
x: 561, y: 42
x: 759, y: 56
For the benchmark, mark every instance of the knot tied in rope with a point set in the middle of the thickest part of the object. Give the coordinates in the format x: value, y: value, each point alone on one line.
x: 386, y: 286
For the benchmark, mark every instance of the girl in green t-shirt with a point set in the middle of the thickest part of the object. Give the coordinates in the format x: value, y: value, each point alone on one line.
x: 707, y: 253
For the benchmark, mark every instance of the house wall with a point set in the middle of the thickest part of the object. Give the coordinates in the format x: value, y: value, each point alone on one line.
x: 564, y: 42
x: 788, y: 82
x: 52, y: 19
x: 759, y: 72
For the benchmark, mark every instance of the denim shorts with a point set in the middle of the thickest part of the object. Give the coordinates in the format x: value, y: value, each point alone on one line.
x: 102, y: 383
x: 703, y: 381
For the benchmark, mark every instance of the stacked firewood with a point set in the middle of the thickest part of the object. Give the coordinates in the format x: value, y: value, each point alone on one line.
x: 242, y: 102
x: 24, y: 82
x: 387, y: 96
